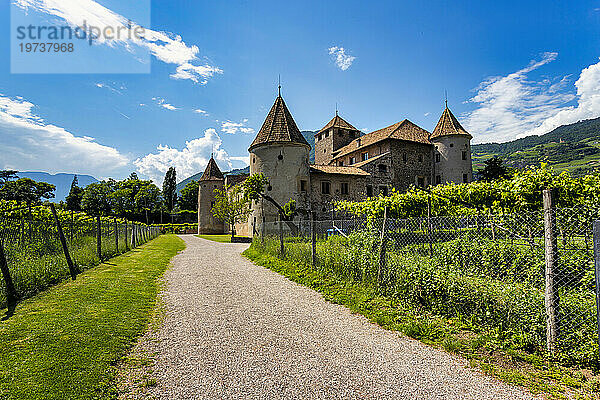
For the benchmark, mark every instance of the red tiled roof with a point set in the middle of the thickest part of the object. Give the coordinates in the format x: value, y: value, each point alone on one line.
x: 337, y: 122
x: 279, y: 126
x: 404, y: 130
x: 448, y: 125
x: 332, y: 169
x: 212, y: 171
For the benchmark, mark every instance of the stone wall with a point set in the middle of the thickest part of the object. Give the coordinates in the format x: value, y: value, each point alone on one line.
x: 322, y: 203
x: 329, y: 141
x: 412, y: 164
x: 451, y: 166
x: 207, y: 223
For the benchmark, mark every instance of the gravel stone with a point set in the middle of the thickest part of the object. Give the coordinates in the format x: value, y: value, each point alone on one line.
x: 234, y: 330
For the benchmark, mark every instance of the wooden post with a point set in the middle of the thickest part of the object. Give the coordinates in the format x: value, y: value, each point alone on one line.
x: 63, y: 242
x: 116, y: 236
x: 72, y: 224
x: 597, y: 276
x: 281, y: 247
x: 382, y: 244
x: 126, y: 244
x: 551, y: 257
x: 133, y: 228
x: 313, y: 239
x: 11, y: 293
x: 99, y: 237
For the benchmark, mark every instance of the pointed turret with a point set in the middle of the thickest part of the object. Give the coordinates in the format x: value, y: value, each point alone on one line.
x: 279, y: 127
x: 212, y: 171
x: 448, y: 125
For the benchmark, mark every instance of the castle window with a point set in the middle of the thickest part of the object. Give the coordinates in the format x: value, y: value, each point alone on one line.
x: 404, y: 157
x: 451, y: 144
x: 269, y: 188
x: 364, y: 156
x: 438, y: 179
x: 383, y: 190
x: 327, y: 134
x: 325, y: 187
x: 344, y: 188
x: 465, y: 178
x: 382, y: 168
x: 438, y: 158
x: 358, y: 142
x: 319, y: 137
x: 420, y: 157
x: 464, y: 155
x: 341, y: 163
x: 303, y: 185
x: 352, y: 160
x: 280, y: 157
x: 369, y: 190
x: 420, y: 181
x: 253, y: 159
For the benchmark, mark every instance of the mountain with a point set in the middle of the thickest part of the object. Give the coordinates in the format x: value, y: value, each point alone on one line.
x: 574, y: 148
x: 61, y: 181
x: 308, y: 135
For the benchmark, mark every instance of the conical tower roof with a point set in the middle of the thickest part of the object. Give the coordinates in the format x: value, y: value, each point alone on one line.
x: 448, y: 125
x: 279, y: 127
x: 338, y: 122
x: 212, y: 171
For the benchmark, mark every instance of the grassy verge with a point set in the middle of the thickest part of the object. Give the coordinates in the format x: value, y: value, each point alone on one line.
x: 216, y: 238
x: 63, y: 343
x: 483, y: 349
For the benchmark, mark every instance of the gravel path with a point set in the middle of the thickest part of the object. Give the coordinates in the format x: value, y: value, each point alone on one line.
x: 236, y: 330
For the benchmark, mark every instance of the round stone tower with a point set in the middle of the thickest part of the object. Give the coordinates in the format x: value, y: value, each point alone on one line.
x: 280, y: 152
x: 452, y: 154
x: 211, y: 179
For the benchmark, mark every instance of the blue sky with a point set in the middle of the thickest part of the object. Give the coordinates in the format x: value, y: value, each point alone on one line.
x: 510, y: 69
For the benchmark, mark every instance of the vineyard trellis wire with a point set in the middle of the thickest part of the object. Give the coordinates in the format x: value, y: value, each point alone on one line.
x: 490, y: 271
x: 34, y: 257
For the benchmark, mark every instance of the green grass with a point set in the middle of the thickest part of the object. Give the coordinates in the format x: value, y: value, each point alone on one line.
x: 64, y: 342
x: 216, y: 238
x: 483, y: 349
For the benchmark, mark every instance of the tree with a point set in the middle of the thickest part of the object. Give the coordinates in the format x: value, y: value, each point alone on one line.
x: 254, y: 188
x: 96, y: 198
x: 7, y: 175
x: 170, y: 189
x: 75, y: 195
x: 27, y: 191
x: 189, y: 196
x: 494, y: 169
x: 147, y: 199
x: 133, y: 176
x: 231, y: 206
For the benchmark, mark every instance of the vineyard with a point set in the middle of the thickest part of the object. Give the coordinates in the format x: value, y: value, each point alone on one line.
x: 35, y: 256
x: 512, y: 268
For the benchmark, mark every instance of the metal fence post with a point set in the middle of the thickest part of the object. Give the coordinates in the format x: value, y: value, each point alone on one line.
x: 63, y: 242
x: 281, y: 247
x: 11, y: 293
x: 99, y: 237
x: 551, y: 298
x: 313, y: 239
x: 429, y: 228
x: 597, y: 276
x: 382, y: 246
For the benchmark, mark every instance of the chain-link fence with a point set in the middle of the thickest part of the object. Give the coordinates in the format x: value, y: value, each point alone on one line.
x: 530, y: 277
x: 32, y: 254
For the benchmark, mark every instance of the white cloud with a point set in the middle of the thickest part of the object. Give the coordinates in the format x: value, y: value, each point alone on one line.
x: 113, y: 88
x: 235, y: 127
x: 165, y: 46
x: 200, y: 111
x: 188, y: 161
x: 30, y: 144
x: 513, y: 106
x: 341, y: 59
x: 162, y: 103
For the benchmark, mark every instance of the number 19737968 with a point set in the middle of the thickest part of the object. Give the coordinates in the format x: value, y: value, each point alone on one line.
x: 42, y: 47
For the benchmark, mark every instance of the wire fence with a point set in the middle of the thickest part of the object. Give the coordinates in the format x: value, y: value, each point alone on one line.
x: 44, y: 247
x: 530, y: 277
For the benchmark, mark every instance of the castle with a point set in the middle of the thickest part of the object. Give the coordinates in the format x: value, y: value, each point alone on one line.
x: 348, y: 165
